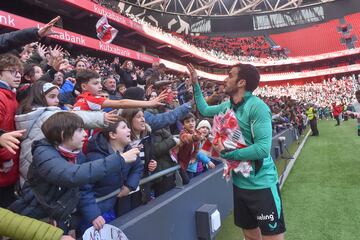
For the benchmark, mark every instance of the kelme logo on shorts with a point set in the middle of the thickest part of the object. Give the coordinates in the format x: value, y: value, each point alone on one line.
x: 272, y: 226
x: 263, y: 217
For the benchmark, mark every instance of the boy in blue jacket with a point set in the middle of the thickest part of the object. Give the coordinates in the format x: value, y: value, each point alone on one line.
x: 114, y: 138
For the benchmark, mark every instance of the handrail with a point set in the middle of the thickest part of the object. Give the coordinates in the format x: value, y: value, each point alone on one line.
x: 142, y: 181
x: 162, y: 173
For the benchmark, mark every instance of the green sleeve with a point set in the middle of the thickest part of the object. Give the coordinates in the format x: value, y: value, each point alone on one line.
x: 204, y: 109
x: 260, y: 119
x: 19, y: 227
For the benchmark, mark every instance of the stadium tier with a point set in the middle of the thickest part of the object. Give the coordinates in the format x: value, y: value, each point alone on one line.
x: 317, y: 39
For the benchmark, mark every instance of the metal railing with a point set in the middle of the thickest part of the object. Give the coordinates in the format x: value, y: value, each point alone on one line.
x: 142, y: 181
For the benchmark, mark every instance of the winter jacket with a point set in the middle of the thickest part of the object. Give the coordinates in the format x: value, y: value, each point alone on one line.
x: 163, y: 141
x: 8, y: 106
x: 162, y: 120
x: 67, y: 98
x: 67, y: 86
x: 33, y: 121
x: 189, y: 148
x: 19, y: 227
x: 129, y: 175
x: 127, y: 79
x: 16, y: 39
x: 200, y: 157
x: 58, y: 176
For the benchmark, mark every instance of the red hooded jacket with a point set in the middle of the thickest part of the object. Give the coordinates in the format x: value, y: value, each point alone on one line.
x: 8, y: 107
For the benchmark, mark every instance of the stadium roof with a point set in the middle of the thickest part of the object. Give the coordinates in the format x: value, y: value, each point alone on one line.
x: 222, y: 7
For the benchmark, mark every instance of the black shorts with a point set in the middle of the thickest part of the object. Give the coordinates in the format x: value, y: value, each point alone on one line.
x: 259, y: 208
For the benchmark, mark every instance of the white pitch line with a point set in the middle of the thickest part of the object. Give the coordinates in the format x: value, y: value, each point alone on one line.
x: 292, y: 161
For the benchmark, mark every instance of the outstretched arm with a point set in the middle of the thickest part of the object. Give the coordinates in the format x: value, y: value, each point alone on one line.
x: 204, y: 109
x: 128, y: 103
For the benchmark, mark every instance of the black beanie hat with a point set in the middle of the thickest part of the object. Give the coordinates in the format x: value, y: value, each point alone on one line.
x: 134, y: 93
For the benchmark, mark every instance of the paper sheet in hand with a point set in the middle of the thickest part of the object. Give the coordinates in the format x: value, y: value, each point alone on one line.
x: 108, y: 232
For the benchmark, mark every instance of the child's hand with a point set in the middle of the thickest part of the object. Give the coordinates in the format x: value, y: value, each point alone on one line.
x: 218, y: 146
x: 197, y: 136
x: 131, y: 155
x: 98, y: 222
x: 123, y: 192
x: 159, y: 99
x: 152, y: 165
x: 211, y: 165
x: 111, y: 117
x: 10, y: 140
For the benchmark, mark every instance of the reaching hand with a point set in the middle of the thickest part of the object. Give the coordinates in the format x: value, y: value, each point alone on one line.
x: 149, y: 90
x: 218, y: 146
x: 47, y: 29
x: 58, y: 63
x: 111, y: 117
x: 10, y: 140
x: 56, y: 51
x: 98, y: 222
x: 158, y: 100
x: 192, y: 73
x: 131, y: 155
x: 41, y: 50
x: 211, y: 165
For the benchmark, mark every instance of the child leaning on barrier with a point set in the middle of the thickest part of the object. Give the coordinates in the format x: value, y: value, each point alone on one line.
x: 114, y: 138
x: 189, y: 146
x: 197, y: 166
x: 58, y: 170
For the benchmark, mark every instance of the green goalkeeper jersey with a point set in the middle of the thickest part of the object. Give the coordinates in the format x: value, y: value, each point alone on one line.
x: 254, y: 119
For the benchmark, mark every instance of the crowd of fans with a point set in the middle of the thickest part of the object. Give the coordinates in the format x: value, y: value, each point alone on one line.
x: 331, y: 98
x: 223, y: 48
x: 135, y: 120
x: 49, y: 96
x: 237, y: 49
x: 251, y: 47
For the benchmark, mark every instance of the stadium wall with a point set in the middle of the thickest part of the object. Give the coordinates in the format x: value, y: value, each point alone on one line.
x: 172, y: 215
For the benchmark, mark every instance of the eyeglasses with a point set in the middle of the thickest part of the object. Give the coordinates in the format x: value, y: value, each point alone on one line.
x: 13, y: 72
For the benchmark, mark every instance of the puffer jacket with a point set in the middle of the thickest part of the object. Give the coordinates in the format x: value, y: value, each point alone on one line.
x: 8, y: 106
x: 17, y: 227
x: 58, y: 176
x: 163, y: 120
x: 33, y: 121
x: 129, y: 175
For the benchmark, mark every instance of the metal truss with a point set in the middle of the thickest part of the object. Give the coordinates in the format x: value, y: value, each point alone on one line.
x: 222, y: 7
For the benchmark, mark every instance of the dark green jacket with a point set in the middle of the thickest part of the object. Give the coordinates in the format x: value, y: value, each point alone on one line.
x: 163, y: 141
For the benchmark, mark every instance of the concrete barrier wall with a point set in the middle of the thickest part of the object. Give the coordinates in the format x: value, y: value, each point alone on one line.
x: 172, y: 215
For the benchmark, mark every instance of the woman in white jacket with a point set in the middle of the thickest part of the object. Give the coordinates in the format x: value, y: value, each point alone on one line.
x: 40, y: 104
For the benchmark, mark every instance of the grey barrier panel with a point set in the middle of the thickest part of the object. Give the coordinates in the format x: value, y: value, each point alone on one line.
x: 172, y: 215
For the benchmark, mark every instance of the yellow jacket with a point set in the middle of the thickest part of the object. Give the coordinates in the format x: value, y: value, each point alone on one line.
x: 19, y: 227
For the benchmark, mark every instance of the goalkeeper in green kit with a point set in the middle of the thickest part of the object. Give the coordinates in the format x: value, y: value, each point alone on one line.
x: 257, y: 203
